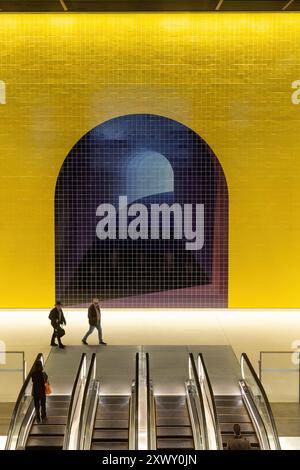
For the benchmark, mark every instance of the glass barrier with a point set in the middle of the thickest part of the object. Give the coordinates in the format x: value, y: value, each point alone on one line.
x: 279, y: 373
x: 261, y: 401
x: 23, y: 411
x: 12, y: 374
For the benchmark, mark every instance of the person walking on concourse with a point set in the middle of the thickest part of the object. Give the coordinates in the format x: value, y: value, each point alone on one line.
x: 94, y: 316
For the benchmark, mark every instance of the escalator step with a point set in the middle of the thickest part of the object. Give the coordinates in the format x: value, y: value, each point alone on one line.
x: 251, y: 438
x: 245, y: 428
x: 61, y: 398
x: 51, y: 411
x: 179, y: 443
x: 114, y: 400
x: 47, y: 430
x: 173, y: 412
x: 109, y: 445
x: 45, y: 442
x: 182, y: 431
x: 104, y: 414
x: 232, y: 401
x: 110, y: 435
x: 170, y: 398
x: 169, y: 421
x: 233, y: 418
x: 228, y: 410
x: 109, y: 424
x: 173, y: 401
x: 56, y: 419
x: 58, y: 404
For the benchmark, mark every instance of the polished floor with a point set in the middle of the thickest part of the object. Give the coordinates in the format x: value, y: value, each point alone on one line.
x: 244, y: 330
x: 232, y: 330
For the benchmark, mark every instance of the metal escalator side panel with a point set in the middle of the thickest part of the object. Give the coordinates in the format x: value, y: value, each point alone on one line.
x: 71, y: 431
x: 22, y: 415
x: 151, y: 412
x: 255, y: 417
x: 199, y: 402
x: 133, y: 409
x: 214, y: 432
x: 26, y: 427
x: 261, y: 400
x: 88, y: 403
x: 192, y: 408
x: 91, y: 416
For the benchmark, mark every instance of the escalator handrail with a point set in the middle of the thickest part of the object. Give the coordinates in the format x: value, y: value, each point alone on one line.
x: 14, y: 415
x: 81, y: 371
x: 148, y: 400
x: 89, y: 378
x: 245, y: 358
x: 212, y: 399
x: 199, y: 392
x: 136, y: 405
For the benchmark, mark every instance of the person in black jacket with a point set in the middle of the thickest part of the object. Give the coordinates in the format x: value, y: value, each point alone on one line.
x: 57, y: 318
x: 94, y: 316
x: 38, y: 391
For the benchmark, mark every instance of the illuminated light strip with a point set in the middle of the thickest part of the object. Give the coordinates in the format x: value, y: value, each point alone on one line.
x: 287, y: 4
x: 65, y: 8
x: 219, y: 5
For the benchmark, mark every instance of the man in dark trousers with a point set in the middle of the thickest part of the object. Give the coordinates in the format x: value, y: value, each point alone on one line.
x: 238, y: 442
x: 94, y: 316
x: 57, y: 318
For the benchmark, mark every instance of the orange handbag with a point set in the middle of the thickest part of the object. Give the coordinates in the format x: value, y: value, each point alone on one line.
x: 48, y: 389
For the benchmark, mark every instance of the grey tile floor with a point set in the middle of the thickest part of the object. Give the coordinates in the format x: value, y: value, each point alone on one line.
x: 287, y: 418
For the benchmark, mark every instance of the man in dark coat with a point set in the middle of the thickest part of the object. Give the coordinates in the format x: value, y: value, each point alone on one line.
x: 57, y: 318
x: 94, y: 316
x: 238, y: 442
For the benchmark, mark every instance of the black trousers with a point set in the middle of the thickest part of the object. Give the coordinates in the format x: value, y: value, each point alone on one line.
x: 40, y: 406
x: 54, y: 336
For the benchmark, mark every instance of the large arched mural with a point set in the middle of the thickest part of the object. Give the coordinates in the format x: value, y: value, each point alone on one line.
x: 141, y: 217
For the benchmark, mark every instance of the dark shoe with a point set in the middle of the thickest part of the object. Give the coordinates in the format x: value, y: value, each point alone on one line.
x: 45, y: 419
x: 62, y: 346
x: 102, y: 342
x: 38, y: 420
x: 53, y: 344
x: 84, y: 342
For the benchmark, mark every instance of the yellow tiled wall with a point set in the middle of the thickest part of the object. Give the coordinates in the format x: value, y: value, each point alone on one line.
x: 226, y: 76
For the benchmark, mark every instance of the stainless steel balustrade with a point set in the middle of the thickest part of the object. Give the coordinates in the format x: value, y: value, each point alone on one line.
x: 259, y: 405
x: 211, y: 416
x: 24, y: 408
x: 70, y: 439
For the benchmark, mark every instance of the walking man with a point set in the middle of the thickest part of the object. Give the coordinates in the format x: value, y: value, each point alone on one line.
x: 94, y: 316
x: 57, y: 318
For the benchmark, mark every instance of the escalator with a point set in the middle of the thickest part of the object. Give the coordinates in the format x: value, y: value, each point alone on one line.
x: 231, y: 410
x: 107, y: 422
x: 50, y: 434
x: 58, y: 431
x: 173, y: 425
x: 111, y: 426
x: 145, y: 418
x: 177, y: 421
x: 250, y: 409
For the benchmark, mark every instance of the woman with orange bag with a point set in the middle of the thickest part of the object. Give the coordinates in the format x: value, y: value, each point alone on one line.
x: 39, y: 381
